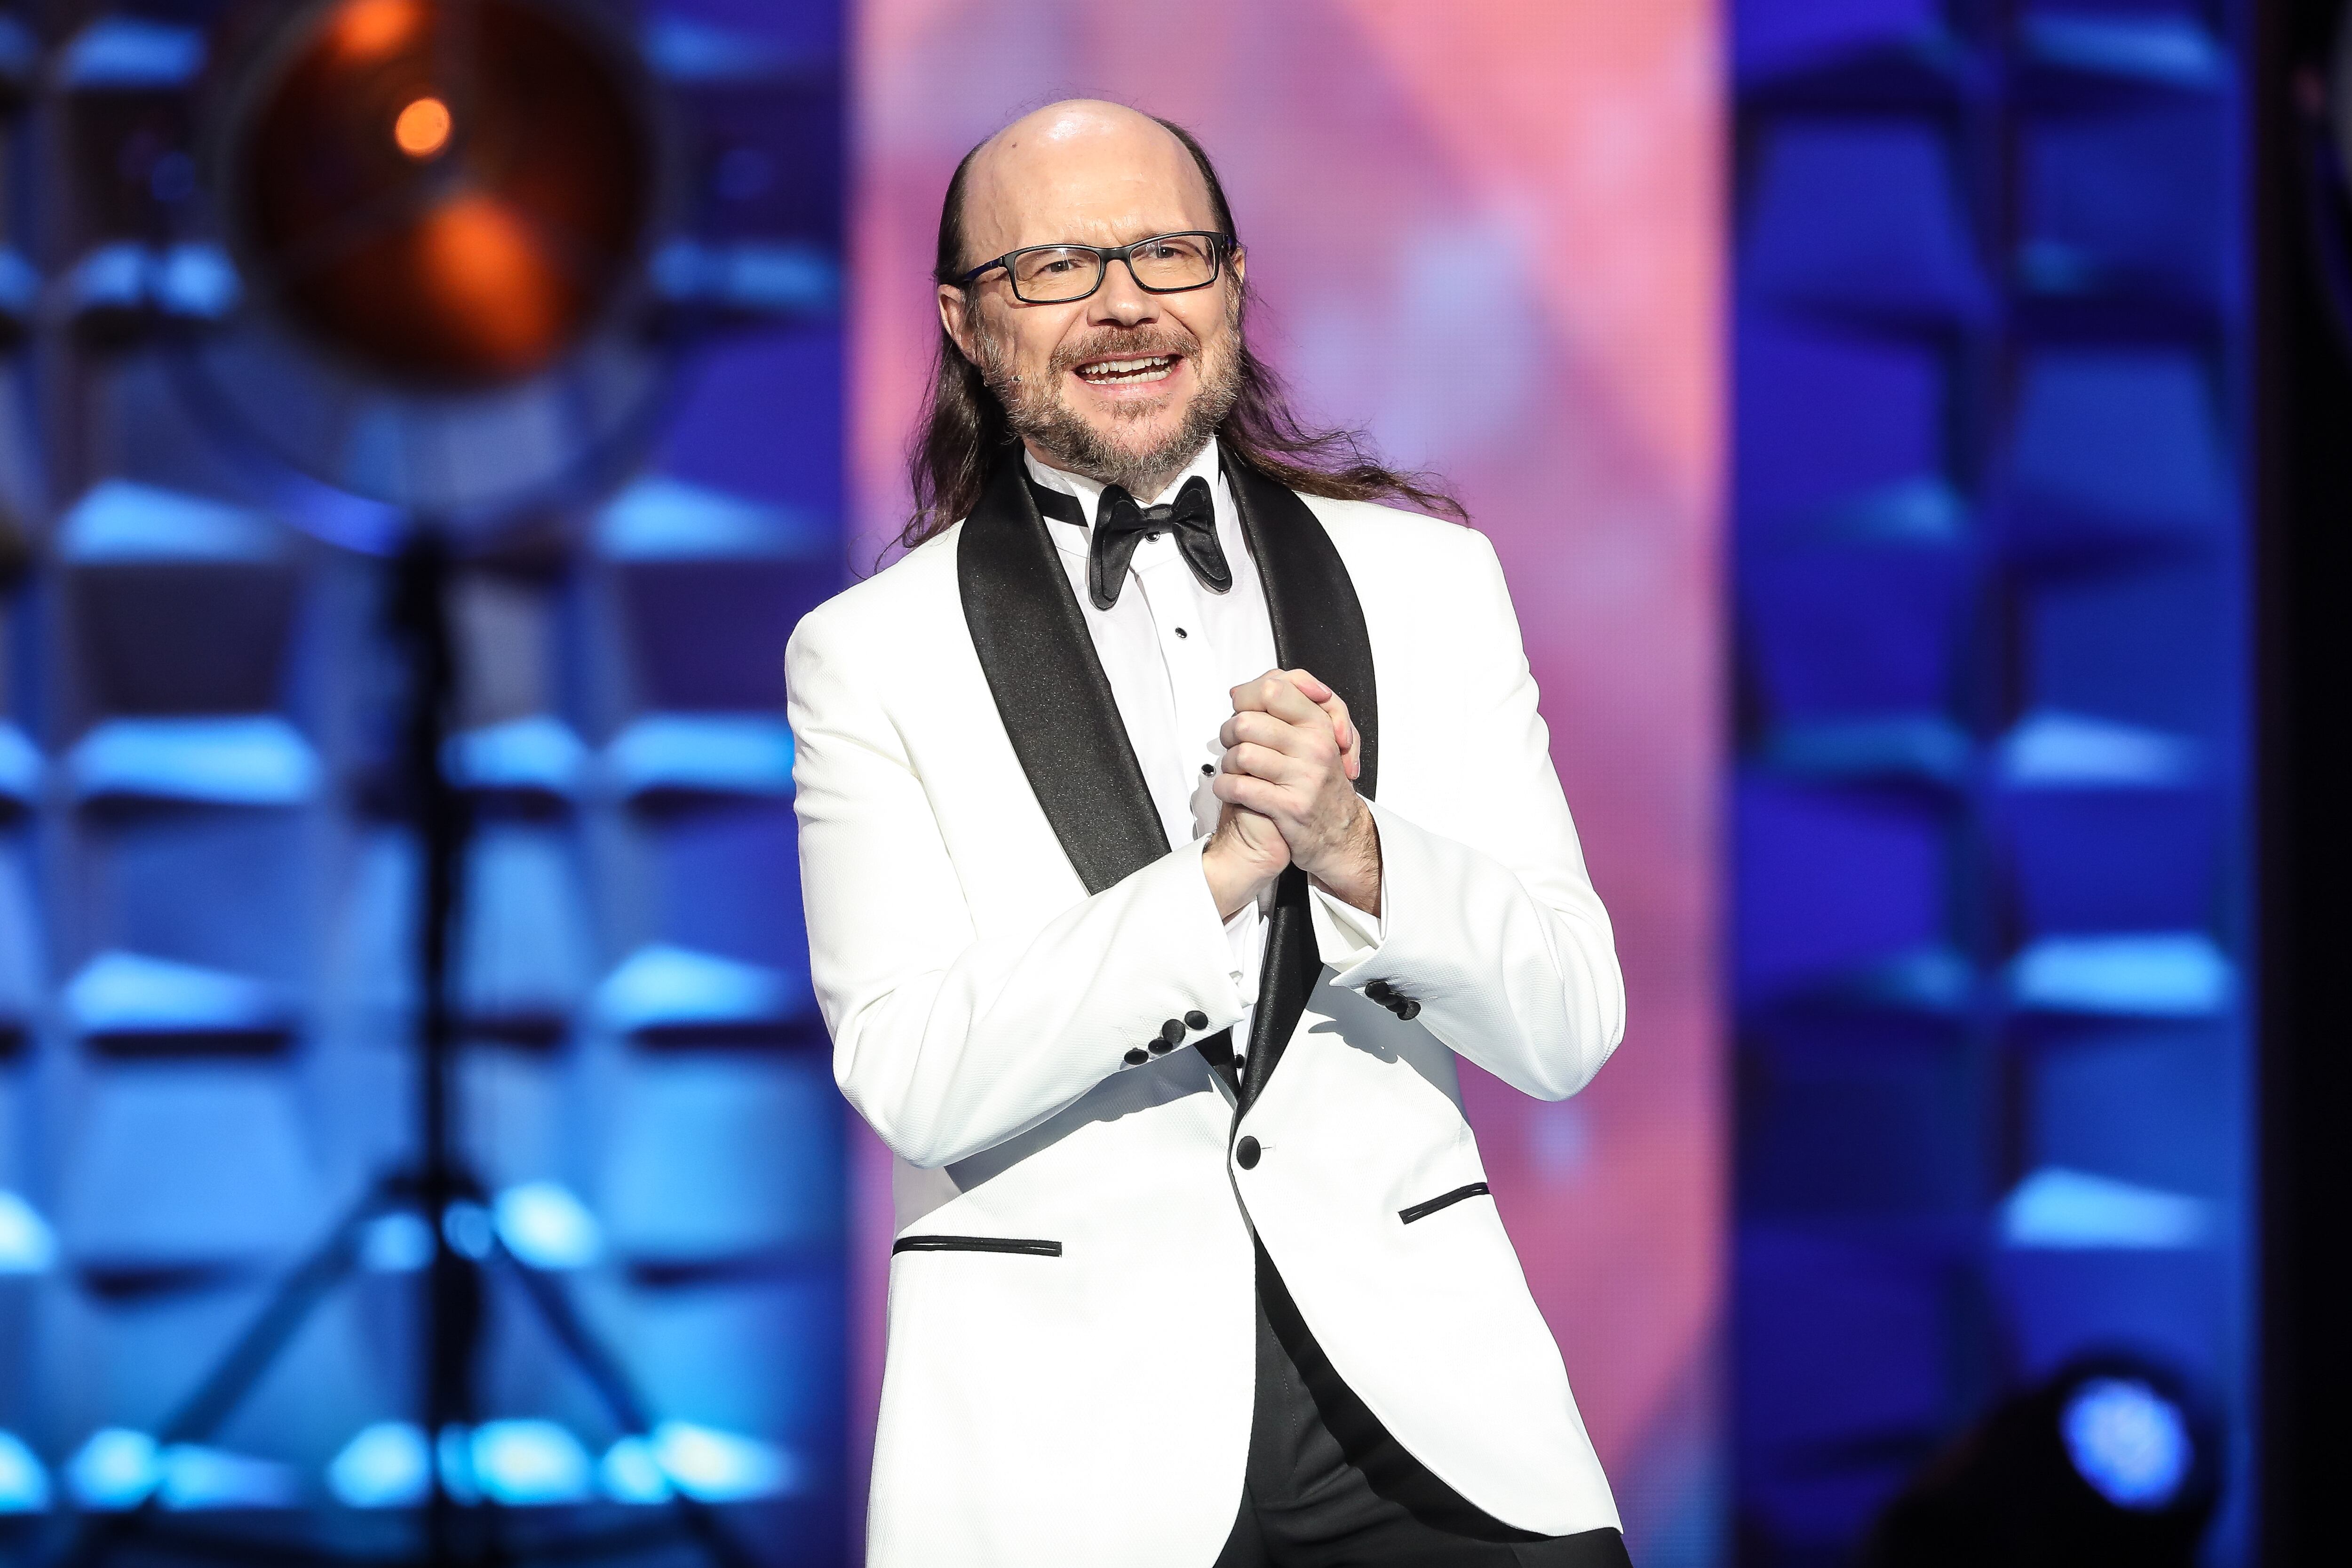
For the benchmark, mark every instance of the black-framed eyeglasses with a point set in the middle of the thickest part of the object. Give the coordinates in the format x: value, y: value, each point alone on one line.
x: 1059, y: 274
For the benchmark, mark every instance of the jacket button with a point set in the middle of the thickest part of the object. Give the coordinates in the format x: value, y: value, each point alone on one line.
x: 1137, y: 1057
x: 1245, y: 1154
x: 1196, y: 1019
x: 1172, y: 1031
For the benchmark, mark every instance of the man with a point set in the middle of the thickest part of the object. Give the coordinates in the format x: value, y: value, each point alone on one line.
x: 1169, y: 814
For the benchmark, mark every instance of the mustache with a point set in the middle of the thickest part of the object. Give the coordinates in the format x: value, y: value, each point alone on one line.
x: 1112, y: 342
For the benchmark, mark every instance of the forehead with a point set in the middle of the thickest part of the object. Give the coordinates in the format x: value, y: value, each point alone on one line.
x: 1097, y: 180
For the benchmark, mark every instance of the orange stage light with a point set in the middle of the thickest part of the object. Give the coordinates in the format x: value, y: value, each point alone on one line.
x: 370, y: 29
x: 423, y: 128
x: 426, y: 255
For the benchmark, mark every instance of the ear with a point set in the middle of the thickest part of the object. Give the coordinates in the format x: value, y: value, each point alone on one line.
x: 955, y: 317
x: 1240, y: 262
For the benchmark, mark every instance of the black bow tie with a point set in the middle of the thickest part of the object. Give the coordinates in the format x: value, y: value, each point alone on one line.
x: 1120, y: 525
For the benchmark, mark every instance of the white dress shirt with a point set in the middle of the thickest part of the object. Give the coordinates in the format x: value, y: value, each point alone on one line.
x: 1173, y: 650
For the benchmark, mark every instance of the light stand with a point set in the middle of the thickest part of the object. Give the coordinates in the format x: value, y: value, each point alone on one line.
x: 458, y: 1532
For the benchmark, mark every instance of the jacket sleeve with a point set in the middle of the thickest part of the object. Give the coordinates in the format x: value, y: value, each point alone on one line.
x: 1489, y: 919
x: 949, y: 1039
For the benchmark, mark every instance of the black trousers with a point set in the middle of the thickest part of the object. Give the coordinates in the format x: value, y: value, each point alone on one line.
x: 1328, y: 1487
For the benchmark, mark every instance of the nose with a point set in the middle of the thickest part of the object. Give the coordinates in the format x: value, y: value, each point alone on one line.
x: 1120, y: 301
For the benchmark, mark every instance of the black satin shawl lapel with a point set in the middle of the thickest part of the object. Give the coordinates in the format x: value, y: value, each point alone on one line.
x: 1318, y: 625
x: 1050, y: 689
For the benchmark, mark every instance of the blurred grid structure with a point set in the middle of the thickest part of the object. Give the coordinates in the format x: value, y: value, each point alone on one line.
x: 1991, y: 875
x: 205, y: 900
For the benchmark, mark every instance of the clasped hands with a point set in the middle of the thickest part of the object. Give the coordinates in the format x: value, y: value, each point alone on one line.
x: 1288, y: 782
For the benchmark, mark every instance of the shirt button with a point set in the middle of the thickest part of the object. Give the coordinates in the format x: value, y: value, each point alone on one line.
x: 1196, y: 1019
x: 1173, y: 1032
x: 1137, y: 1057
x: 1245, y: 1154
x: 1182, y: 632
x: 1208, y: 768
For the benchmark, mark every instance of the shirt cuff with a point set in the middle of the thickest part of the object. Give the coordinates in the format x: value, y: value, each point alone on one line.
x: 1245, y: 934
x: 1345, y: 936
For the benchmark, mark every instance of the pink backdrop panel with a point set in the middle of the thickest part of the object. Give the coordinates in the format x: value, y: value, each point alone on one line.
x: 1488, y: 230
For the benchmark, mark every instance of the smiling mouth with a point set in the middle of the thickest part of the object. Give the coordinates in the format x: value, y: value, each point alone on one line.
x: 1128, y: 372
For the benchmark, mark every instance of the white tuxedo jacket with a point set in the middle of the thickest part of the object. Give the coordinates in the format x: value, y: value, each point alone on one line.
x: 997, y: 925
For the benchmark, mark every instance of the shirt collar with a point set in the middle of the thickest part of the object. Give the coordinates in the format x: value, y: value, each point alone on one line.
x: 1204, y: 463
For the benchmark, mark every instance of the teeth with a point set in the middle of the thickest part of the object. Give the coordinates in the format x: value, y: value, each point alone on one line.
x: 1117, y: 370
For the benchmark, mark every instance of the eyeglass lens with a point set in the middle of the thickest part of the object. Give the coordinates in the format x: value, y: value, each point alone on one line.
x: 1056, y: 273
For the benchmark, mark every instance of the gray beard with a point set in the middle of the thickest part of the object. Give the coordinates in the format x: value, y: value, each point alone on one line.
x: 1042, y: 416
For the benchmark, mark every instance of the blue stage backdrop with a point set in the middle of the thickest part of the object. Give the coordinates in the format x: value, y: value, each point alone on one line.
x: 206, y: 901
x: 1991, y: 873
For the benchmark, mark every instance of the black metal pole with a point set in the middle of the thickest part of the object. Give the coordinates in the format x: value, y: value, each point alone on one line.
x: 452, y: 1285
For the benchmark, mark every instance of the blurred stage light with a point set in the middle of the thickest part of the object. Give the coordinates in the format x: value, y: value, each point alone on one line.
x: 123, y: 523
x: 664, y: 988
x: 131, y: 993
x: 2108, y: 1462
x: 534, y: 1463
x: 258, y: 761
x: 2129, y: 1441
x: 24, y: 1484
x: 399, y: 1243
x: 22, y: 769
x: 528, y: 1464
x: 423, y: 128
x: 702, y: 753
x: 27, y: 1246
x: 2055, y: 749
x: 2056, y: 1208
x: 534, y: 755
x: 382, y: 1467
x: 132, y: 52
x: 196, y: 1478
x: 711, y: 1466
x: 447, y: 193
x: 630, y: 1474
x: 2155, y: 974
x: 114, y: 1469
x: 546, y: 1227
x: 469, y: 1229
x: 453, y: 1457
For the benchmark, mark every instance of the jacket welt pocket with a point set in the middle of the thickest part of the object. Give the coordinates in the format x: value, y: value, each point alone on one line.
x: 975, y: 1244
x: 1443, y: 1201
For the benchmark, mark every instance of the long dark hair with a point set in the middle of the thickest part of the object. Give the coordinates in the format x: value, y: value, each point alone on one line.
x: 964, y: 431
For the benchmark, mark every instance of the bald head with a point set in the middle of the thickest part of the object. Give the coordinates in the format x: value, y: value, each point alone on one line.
x: 1083, y: 171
